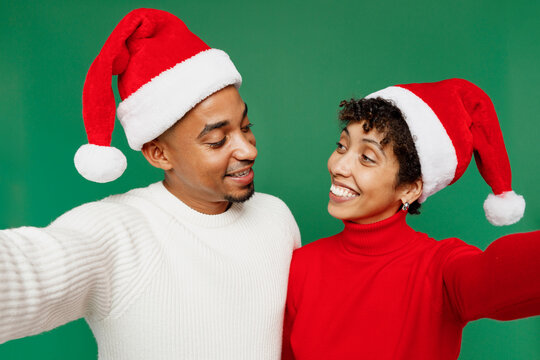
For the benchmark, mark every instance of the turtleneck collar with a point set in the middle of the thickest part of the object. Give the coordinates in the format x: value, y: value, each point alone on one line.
x: 174, y: 206
x: 377, y: 238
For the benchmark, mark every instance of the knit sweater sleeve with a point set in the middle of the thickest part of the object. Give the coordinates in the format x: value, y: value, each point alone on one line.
x: 68, y: 270
x: 502, y: 282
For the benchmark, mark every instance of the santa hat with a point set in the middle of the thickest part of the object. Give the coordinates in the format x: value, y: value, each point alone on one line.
x: 163, y: 70
x: 450, y: 120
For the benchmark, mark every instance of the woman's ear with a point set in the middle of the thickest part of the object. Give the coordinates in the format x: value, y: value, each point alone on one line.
x: 155, y: 154
x: 411, y: 192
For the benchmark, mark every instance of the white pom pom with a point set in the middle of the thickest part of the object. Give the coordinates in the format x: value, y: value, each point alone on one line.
x: 100, y: 163
x: 504, y: 209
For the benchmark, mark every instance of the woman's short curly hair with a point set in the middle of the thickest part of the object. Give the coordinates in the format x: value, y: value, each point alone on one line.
x: 387, y: 119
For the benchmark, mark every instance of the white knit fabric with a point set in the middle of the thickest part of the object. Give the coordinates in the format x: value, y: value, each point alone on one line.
x: 154, y: 278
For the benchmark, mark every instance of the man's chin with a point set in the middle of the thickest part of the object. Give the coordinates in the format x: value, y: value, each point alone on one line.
x: 241, y: 196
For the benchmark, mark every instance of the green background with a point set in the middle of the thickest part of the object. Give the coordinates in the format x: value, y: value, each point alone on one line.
x: 298, y: 60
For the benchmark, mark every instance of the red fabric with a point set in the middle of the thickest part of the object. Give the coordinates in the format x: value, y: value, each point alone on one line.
x: 383, y: 291
x: 145, y: 43
x: 445, y: 99
x: 470, y: 120
x: 160, y: 41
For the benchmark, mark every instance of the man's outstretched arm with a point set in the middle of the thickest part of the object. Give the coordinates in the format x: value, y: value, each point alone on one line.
x: 68, y: 270
x: 47, y: 278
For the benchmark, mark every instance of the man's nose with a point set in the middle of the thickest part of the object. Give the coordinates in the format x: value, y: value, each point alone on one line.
x: 245, y: 148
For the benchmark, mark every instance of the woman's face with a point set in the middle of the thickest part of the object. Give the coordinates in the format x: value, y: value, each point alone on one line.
x: 364, y: 175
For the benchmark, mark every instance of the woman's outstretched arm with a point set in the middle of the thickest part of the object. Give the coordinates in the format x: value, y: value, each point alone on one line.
x: 502, y: 282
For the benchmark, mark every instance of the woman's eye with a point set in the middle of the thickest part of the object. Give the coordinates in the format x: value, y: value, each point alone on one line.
x: 340, y: 146
x: 367, y: 159
x: 247, y: 127
x: 217, y: 144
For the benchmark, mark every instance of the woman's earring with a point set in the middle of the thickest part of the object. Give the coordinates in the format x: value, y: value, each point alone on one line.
x: 405, y: 206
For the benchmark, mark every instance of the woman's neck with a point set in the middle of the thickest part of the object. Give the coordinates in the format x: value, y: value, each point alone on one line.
x: 377, y: 238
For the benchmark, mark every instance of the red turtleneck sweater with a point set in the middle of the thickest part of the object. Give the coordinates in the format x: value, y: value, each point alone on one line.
x: 384, y: 291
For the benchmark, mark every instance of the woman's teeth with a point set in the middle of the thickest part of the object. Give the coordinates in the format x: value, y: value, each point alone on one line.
x: 240, y: 174
x: 343, y: 192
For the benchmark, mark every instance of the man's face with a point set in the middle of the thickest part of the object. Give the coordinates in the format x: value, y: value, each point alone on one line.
x: 211, y: 152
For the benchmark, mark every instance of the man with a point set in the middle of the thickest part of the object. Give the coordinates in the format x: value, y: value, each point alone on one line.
x: 194, y: 267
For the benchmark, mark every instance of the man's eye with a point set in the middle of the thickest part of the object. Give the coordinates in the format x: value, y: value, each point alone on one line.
x: 340, y: 146
x: 217, y: 144
x: 247, y: 127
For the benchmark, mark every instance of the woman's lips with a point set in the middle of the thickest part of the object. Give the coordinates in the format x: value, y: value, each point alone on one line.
x: 342, y: 193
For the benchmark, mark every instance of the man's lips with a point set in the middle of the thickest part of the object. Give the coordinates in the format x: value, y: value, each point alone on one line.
x: 242, y: 177
x: 239, y: 167
x: 240, y: 172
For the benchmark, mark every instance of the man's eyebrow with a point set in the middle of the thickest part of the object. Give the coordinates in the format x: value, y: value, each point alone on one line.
x: 213, y: 126
x: 219, y: 124
x: 376, y: 143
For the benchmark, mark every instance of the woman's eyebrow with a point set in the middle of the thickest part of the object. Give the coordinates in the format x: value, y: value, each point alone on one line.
x: 376, y: 143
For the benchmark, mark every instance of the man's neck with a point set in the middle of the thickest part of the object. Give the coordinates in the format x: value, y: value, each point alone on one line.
x: 202, y: 206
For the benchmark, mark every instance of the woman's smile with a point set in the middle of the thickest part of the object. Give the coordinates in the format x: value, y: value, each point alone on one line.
x: 340, y: 193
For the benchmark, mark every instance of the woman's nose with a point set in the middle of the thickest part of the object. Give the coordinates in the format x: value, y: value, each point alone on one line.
x: 339, y: 165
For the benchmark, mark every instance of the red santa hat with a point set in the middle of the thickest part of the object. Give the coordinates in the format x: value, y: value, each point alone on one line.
x: 163, y: 70
x: 450, y: 120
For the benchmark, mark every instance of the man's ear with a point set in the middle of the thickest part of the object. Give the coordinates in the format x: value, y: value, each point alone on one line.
x: 154, y: 153
x: 411, y: 192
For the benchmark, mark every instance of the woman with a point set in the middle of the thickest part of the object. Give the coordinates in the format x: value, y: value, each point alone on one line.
x: 381, y: 290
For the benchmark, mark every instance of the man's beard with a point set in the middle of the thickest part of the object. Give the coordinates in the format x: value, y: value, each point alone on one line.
x: 242, y: 198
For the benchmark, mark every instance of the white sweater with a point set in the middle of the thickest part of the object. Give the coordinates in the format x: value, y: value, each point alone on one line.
x: 154, y: 278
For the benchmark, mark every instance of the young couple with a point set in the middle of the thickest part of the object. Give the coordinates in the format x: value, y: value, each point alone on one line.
x: 197, y: 266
